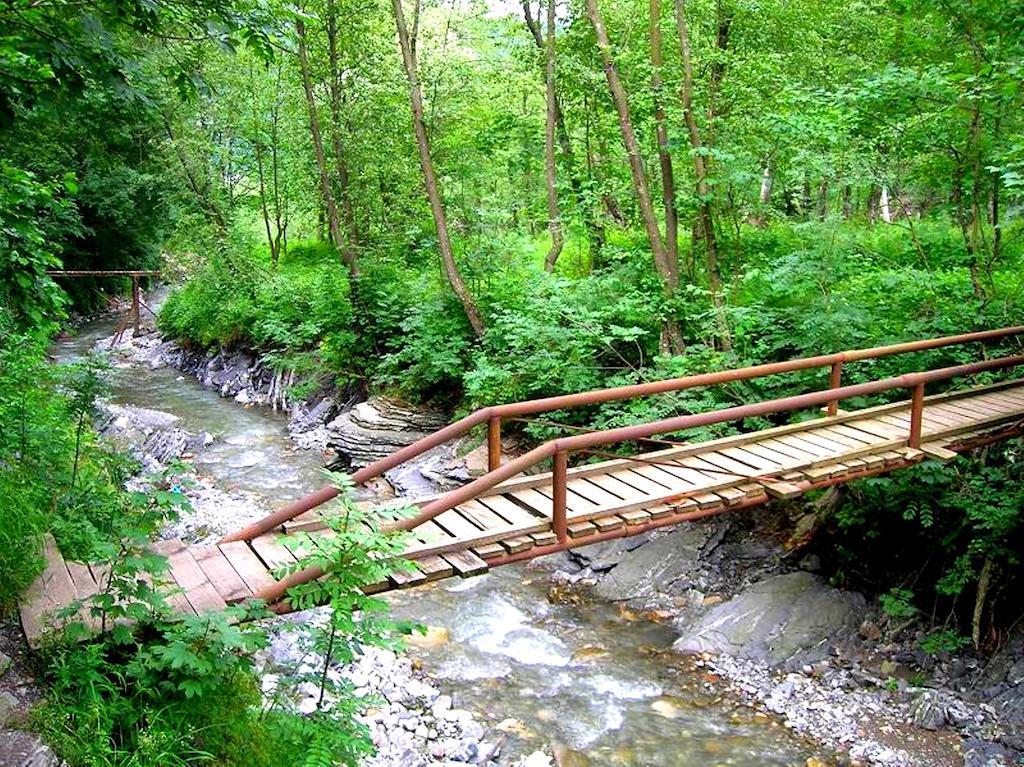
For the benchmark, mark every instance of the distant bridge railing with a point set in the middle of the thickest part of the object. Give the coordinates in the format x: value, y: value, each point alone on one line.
x: 493, y: 416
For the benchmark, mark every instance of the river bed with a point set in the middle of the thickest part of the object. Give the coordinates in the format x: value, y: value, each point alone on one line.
x: 590, y: 680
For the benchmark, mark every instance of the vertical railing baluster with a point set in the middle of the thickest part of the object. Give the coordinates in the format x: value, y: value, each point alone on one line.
x: 493, y: 443
x: 916, y: 416
x: 560, y: 477
x: 834, y: 382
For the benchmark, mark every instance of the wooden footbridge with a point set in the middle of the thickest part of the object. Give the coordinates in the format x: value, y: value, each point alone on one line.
x: 510, y: 514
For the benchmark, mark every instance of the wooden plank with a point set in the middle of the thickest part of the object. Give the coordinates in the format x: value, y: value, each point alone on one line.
x: 482, y: 516
x: 757, y: 462
x: 81, y: 578
x: 247, y: 565
x: 879, y: 429
x: 220, y: 573
x: 938, y: 452
x: 509, y: 510
x: 604, y: 524
x: 783, y: 490
x: 272, y: 553
x: 435, y: 567
x: 595, y: 493
x: 466, y: 563
x: 581, y: 529
x: 456, y: 524
x: 546, y: 538
x: 621, y: 488
x: 404, y: 579
x: 517, y: 544
x: 49, y: 592
x: 635, y: 517
x: 487, y: 551
x: 187, y: 573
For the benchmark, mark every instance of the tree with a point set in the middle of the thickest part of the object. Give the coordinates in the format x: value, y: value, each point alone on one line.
x: 333, y: 221
x: 705, y: 195
x: 433, y: 191
x: 554, y: 217
x: 667, y: 267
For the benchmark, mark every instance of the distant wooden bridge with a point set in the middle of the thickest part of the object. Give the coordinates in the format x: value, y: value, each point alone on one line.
x: 508, y: 514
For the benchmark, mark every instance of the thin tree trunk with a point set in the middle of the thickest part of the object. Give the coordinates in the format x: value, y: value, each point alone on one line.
x: 668, y: 185
x: 823, y: 199
x: 847, y: 202
x: 333, y: 222
x: 337, y: 128
x: 595, y: 232
x: 883, y: 202
x: 430, y: 180
x: 554, y: 217
x: 668, y: 272
x: 705, y: 214
x: 272, y: 243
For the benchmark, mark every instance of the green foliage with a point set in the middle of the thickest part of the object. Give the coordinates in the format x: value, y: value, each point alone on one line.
x: 944, y: 641
x: 898, y: 603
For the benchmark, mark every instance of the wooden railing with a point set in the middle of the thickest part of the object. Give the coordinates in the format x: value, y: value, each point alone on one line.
x: 559, y: 449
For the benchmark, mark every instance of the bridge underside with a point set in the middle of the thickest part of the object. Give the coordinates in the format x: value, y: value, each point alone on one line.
x: 615, y: 498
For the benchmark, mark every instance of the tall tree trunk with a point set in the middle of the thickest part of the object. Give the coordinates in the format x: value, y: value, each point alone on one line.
x: 554, y: 217
x: 823, y: 198
x: 847, y: 202
x: 451, y: 269
x: 668, y: 271
x: 337, y: 127
x: 764, y: 196
x: 705, y: 213
x: 333, y: 222
x: 668, y: 184
x: 595, y: 232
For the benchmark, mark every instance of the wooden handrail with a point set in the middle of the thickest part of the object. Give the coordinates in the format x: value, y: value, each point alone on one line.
x: 492, y: 416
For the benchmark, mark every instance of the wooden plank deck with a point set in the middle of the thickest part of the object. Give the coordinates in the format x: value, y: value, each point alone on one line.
x: 614, y: 497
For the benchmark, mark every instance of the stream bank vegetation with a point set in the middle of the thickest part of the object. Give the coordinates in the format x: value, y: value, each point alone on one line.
x: 458, y: 205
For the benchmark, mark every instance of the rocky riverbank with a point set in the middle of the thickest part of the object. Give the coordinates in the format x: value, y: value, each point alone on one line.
x: 768, y: 628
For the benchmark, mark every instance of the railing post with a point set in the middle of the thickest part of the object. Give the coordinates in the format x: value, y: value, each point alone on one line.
x: 560, y: 477
x: 136, y: 311
x: 916, y: 416
x: 834, y: 382
x: 493, y: 443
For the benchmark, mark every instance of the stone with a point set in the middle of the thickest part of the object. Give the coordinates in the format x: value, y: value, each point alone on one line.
x: 601, y: 557
x: 435, y: 636
x: 785, y: 620
x: 983, y: 753
x: 9, y: 707
x: 22, y: 749
x: 5, y: 663
x: 378, y: 427
x: 656, y: 565
x: 928, y: 711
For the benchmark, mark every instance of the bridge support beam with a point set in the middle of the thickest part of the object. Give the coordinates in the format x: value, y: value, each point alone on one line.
x: 916, y: 416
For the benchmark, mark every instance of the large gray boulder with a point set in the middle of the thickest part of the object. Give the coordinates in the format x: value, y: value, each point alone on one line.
x: 659, y: 566
x: 785, y: 620
x: 378, y: 427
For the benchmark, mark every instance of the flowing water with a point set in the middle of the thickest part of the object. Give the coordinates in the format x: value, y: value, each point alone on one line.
x: 590, y: 678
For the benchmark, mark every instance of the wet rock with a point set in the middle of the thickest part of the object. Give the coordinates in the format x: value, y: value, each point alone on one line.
x: 151, y: 436
x: 378, y: 427
x: 661, y: 564
x: 928, y: 711
x: 786, y: 620
x: 601, y: 557
x: 435, y: 636
x: 22, y: 749
x: 983, y: 753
